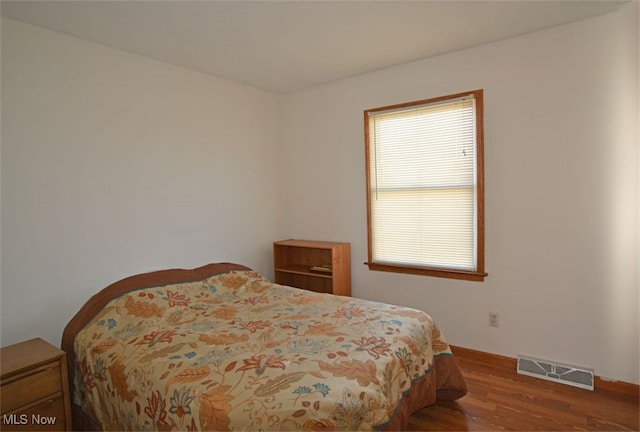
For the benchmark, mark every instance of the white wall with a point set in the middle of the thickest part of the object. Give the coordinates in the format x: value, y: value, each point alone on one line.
x: 115, y: 164
x: 561, y: 161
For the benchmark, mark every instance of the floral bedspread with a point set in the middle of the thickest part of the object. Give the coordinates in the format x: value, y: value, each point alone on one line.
x: 237, y: 352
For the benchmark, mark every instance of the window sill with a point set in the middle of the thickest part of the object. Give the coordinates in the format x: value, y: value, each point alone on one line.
x: 449, y: 274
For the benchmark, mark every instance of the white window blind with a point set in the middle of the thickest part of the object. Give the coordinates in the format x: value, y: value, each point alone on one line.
x: 423, y: 185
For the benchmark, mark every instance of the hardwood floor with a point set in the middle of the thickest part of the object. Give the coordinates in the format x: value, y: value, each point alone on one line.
x: 500, y: 399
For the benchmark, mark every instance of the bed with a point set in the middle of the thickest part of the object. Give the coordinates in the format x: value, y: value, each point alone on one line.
x: 220, y: 347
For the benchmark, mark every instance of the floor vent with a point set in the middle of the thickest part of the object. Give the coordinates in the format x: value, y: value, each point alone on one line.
x: 558, y: 372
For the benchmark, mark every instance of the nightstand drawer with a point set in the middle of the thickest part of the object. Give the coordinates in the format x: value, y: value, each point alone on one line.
x: 30, y: 387
x: 34, y: 387
x: 48, y: 415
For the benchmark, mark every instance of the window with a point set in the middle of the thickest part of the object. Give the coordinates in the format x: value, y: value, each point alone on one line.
x: 425, y: 194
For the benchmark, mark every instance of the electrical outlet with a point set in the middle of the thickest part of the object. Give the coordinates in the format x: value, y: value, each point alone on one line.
x: 494, y: 319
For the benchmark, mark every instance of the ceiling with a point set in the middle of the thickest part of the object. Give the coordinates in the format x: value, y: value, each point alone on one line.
x: 284, y: 46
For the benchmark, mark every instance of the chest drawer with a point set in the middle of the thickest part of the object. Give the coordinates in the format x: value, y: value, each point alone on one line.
x: 32, y: 386
x: 46, y: 416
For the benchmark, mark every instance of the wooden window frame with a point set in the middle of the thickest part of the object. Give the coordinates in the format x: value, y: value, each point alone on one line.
x: 479, y: 274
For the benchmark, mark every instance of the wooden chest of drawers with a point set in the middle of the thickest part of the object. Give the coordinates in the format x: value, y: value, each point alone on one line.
x: 34, y: 389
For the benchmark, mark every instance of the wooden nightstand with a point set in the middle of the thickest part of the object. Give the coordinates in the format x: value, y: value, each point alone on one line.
x: 34, y: 388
